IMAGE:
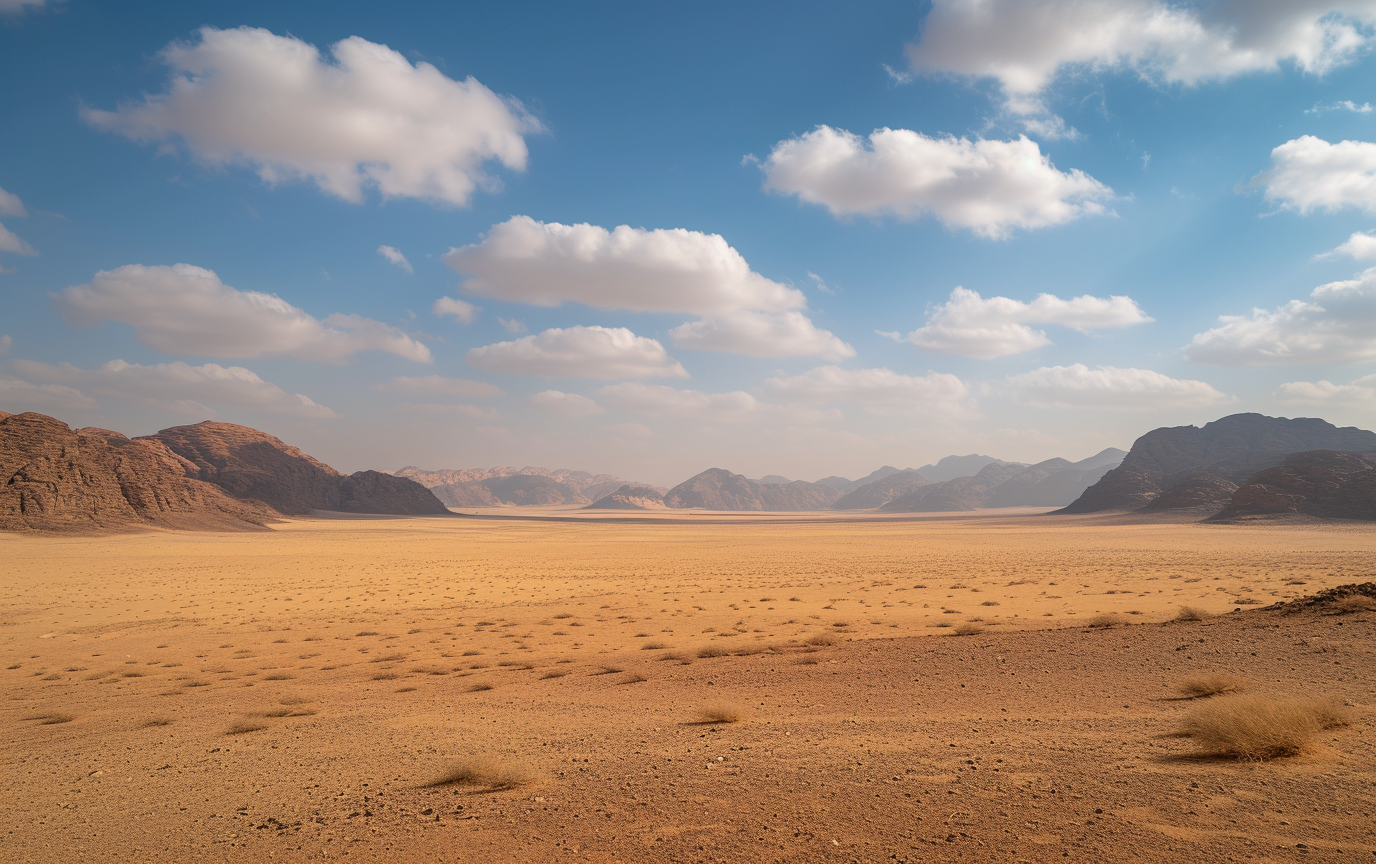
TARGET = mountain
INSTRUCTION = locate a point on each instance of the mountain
(880, 492)
(961, 493)
(841, 484)
(719, 489)
(631, 496)
(481, 487)
(253, 465)
(57, 479)
(1203, 460)
(958, 466)
(773, 480)
(1323, 483)
(1047, 484)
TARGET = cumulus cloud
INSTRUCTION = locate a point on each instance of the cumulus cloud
(988, 187)
(580, 352)
(460, 310)
(438, 385)
(1025, 44)
(394, 256)
(59, 400)
(1337, 324)
(658, 400)
(1359, 392)
(565, 404)
(1344, 105)
(184, 309)
(176, 386)
(762, 334)
(1079, 386)
(1360, 246)
(883, 390)
(662, 270)
(10, 205)
(969, 325)
(1309, 174)
(366, 118)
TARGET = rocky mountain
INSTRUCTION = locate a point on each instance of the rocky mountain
(841, 484)
(719, 489)
(1324, 483)
(253, 465)
(961, 493)
(880, 492)
(1188, 467)
(55, 479)
(631, 496)
(958, 466)
(488, 487)
(773, 480)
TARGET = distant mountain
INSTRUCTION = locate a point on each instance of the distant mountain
(719, 489)
(1323, 483)
(773, 480)
(961, 493)
(487, 487)
(1189, 467)
(254, 465)
(959, 466)
(841, 484)
(880, 492)
(58, 479)
(631, 496)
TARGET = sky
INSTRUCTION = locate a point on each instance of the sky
(795, 238)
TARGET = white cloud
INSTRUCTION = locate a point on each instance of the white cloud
(437, 385)
(10, 205)
(664, 270)
(1309, 174)
(988, 187)
(15, 7)
(11, 242)
(6, 343)
(1344, 105)
(580, 352)
(660, 401)
(460, 310)
(565, 404)
(471, 412)
(880, 389)
(1110, 387)
(177, 386)
(1336, 325)
(512, 325)
(761, 334)
(971, 326)
(1360, 246)
(367, 118)
(1359, 392)
(394, 256)
(187, 310)
(18, 396)
(1026, 44)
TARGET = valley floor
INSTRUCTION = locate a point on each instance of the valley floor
(292, 694)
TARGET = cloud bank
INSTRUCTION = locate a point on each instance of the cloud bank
(579, 352)
(1108, 387)
(1309, 174)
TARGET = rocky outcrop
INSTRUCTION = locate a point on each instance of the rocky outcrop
(1232, 448)
(1202, 491)
(1324, 483)
(880, 492)
(631, 496)
(532, 490)
(253, 465)
(55, 479)
(719, 489)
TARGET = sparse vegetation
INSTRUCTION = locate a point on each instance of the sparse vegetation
(155, 721)
(821, 641)
(1257, 727)
(487, 772)
(242, 727)
(1104, 621)
(1214, 684)
(719, 712)
(1191, 613)
(967, 629)
(478, 688)
(52, 718)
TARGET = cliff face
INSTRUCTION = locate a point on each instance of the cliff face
(1322, 483)
(719, 489)
(53, 479)
(1232, 449)
(631, 496)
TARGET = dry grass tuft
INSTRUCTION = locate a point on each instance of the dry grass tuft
(553, 673)
(967, 630)
(1255, 727)
(52, 718)
(821, 641)
(713, 651)
(385, 676)
(1104, 621)
(487, 772)
(1191, 613)
(1213, 684)
(155, 721)
(244, 726)
(479, 688)
(633, 678)
(719, 712)
(653, 646)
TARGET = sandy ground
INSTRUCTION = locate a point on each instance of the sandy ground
(374, 654)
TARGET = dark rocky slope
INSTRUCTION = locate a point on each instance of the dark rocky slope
(719, 489)
(1320, 483)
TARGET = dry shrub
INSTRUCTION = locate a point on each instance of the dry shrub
(1191, 613)
(278, 676)
(1255, 727)
(821, 640)
(807, 661)
(388, 658)
(553, 673)
(385, 676)
(1213, 684)
(155, 721)
(967, 630)
(719, 712)
(1350, 605)
(488, 772)
(52, 718)
(633, 678)
(609, 670)
(479, 688)
(991, 603)
(1104, 621)
(653, 646)
(713, 651)
(244, 726)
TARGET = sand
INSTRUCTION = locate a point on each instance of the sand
(291, 694)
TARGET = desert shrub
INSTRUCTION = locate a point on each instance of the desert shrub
(1213, 684)
(155, 721)
(478, 688)
(243, 726)
(52, 718)
(488, 772)
(385, 676)
(1256, 727)
(653, 646)
(713, 651)
(967, 629)
(719, 712)
(807, 661)
(991, 603)
(553, 673)
(632, 678)
(1104, 621)
(1191, 613)
(821, 641)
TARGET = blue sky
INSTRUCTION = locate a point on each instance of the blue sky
(1148, 166)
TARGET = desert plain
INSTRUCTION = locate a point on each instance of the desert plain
(694, 687)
